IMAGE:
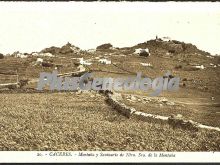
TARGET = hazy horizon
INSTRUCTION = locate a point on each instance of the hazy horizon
(33, 26)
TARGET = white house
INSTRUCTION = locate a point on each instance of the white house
(82, 62)
(140, 50)
(42, 54)
(105, 61)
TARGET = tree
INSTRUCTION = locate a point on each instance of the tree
(1, 56)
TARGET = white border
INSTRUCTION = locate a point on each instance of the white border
(47, 156)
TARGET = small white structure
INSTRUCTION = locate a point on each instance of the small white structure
(211, 64)
(146, 64)
(34, 54)
(200, 67)
(82, 62)
(39, 61)
(46, 54)
(42, 54)
(105, 61)
(81, 68)
(21, 55)
(137, 51)
(140, 50)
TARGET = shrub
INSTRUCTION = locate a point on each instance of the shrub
(144, 53)
(23, 83)
(47, 64)
(178, 67)
(1, 56)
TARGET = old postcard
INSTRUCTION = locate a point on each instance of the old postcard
(109, 81)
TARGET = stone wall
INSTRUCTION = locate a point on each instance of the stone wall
(115, 100)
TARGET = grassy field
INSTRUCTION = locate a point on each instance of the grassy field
(191, 104)
(83, 121)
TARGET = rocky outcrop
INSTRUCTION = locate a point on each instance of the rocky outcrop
(171, 46)
(66, 49)
(104, 46)
(52, 50)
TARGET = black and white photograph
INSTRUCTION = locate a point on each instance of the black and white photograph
(116, 81)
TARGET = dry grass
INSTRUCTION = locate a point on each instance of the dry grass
(70, 121)
(192, 105)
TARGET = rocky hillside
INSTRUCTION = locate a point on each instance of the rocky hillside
(86, 120)
(66, 49)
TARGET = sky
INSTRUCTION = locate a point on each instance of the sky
(33, 26)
